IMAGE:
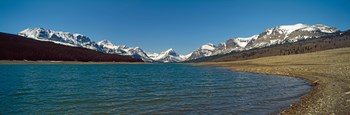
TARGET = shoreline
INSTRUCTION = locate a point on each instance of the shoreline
(328, 71)
(63, 62)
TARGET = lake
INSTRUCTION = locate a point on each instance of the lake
(142, 89)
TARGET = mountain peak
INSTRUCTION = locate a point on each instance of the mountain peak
(105, 42)
(291, 28)
(250, 37)
(36, 29)
(138, 49)
(170, 50)
(73, 39)
(276, 35)
(300, 24)
(168, 56)
(287, 29)
(208, 46)
(106, 46)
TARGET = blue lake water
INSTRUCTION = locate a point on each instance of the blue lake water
(142, 89)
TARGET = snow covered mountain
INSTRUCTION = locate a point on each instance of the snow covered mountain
(109, 47)
(291, 33)
(277, 35)
(64, 38)
(169, 56)
(237, 43)
(78, 40)
(225, 47)
(152, 55)
(203, 51)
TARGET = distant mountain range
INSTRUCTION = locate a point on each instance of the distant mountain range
(14, 47)
(105, 46)
(301, 46)
(272, 36)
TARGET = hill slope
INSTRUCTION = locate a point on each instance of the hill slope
(14, 47)
(302, 46)
(272, 36)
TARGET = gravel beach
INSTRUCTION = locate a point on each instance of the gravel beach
(328, 71)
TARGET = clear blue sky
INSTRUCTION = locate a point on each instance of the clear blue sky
(156, 25)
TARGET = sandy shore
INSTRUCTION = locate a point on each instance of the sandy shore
(63, 62)
(328, 70)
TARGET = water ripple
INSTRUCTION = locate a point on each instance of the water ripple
(142, 89)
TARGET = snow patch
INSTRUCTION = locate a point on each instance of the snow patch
(242, 42)
(208, 46)
(291, 28)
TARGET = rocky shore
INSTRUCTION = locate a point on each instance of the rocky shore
(328, 71)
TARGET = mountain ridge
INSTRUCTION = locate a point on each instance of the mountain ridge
(79, 40)
(302, 46)
(14, 47)
(271, 36)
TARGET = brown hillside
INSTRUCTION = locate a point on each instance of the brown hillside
(14, 47)
(305, 46)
